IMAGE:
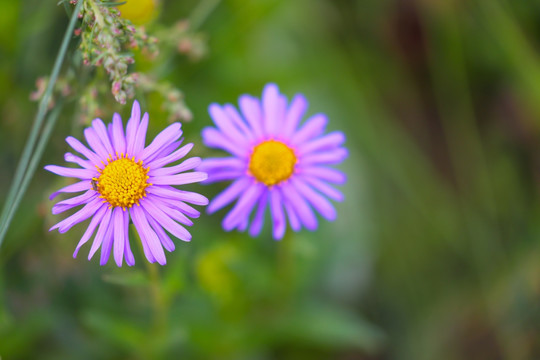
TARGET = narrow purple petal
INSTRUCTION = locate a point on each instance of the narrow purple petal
(214, 139)
(93, 140)
(69, 157)
(103, 135)
(164, 220)
(295, 113)
(258, 220)
(243, 207)
(165, 151)
(166, 137)
(238, 121)
(77, 187)
(186, 165)
(328, 157)
(252, 111)
(141, 223)
(96, 219)
(140, 138)
(223, 175)
(222, 163)
(293, 217)
(181, 179)
(72, 172)
(271, 108)
(229, 194)
(171, 211)
(133, 127)
(324, 173)
(106, 246)
(324, 188)
(244, 224)
(304, 212)
(328, 141)
(323, 206)
(88, 210)
(314, 126)
(177, 155)
(278, 217)
(81, 149)
(166, 241)
(98, 240)
(128, 254)
(225, 125)
(118, 138)
(73, 202)
(146, 248)
(169, 192)
(119, 233)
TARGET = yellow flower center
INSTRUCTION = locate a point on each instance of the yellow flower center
(139, 12)
(122, 182)
(272, 162)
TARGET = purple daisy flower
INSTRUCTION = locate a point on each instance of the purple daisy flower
(274, 163)
(118, 172)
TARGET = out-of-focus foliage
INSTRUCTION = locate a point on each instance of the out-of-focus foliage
(436, 250)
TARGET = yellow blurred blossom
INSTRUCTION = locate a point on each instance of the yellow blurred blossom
(139, 12)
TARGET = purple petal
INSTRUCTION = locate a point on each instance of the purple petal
(324, 188)
(178, 154)
(181, 179)
(118, 138)
(106, 247)
(243, 207)
(186, 165)
(293, 218)
(313, 127)
(271, 104)
(164, 220)
(146, 249)
(171, 211)
(166, 137)
(93, 140)
(103, 135)
(144, 229)
(295, 113)
(165, 151)
(133, 127)
(251, 109)
(72, 172)
(244, 224)
(119, 233)
(323, 206)
(140, 138)
(278, 217)
(81, 215)
(324, 173)
(223, 175)
(304, 212)
(81, 149)
(96, 219)
(329, 141)
(166, 241)
(222, 163)
(98, 240)
(128, 254)
(73, 202)
(79, 186)
(214, 139)
(69, 157)
(226, 126)
(328, 157)
(235, 117)
(258, 220)
(229, 194)
(169, 192)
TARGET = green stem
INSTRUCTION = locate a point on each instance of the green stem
(201, 13)
(15, 189)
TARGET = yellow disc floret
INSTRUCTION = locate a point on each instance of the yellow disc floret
(122, 182)
(272, 162)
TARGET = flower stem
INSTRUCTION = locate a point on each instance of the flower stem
(201, 12)
(16, 190)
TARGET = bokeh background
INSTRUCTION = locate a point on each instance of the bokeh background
(436, 250)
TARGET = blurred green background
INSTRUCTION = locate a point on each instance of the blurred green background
(435, 253)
